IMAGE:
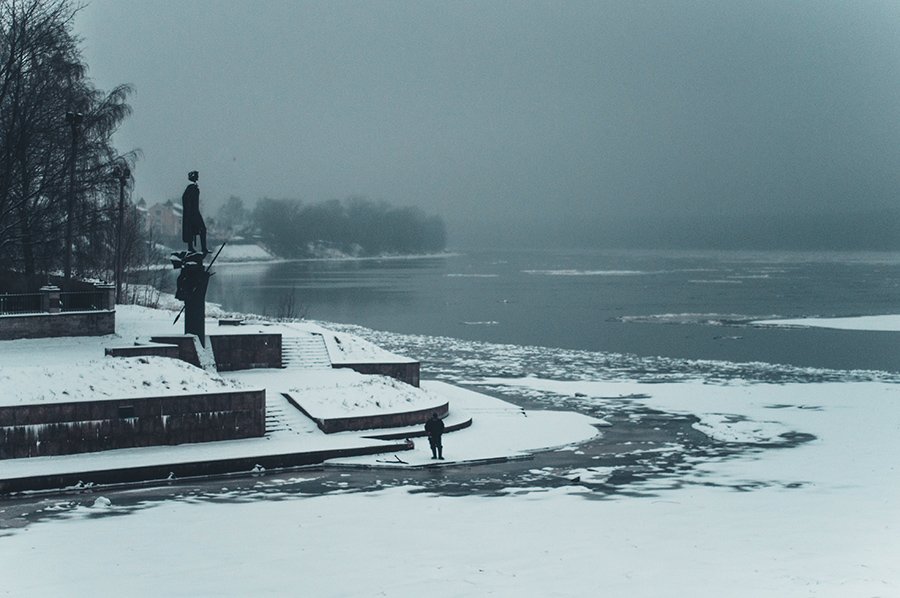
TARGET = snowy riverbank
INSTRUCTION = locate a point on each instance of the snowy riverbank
(73, 369)
(804, 505)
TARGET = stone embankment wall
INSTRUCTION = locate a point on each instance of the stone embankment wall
(88, 426)
(96, 323)
(231, 351)
(248, 351)
(186, 349)
(245, 352)
(154, 350)
(405, 372)
(371, 422)
(50, 320)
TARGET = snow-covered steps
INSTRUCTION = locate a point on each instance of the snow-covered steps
(283, 419)
(306, 351)
(275, 421)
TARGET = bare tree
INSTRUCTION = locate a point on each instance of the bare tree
(42, 77)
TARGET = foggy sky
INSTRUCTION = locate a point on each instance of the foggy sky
(688, 123)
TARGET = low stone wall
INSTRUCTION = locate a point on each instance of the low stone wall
(232, 351)
(421, 433)
(88, 426)
(370, 422)
(405, 372)
(249, 351)
(93, 323)
(246, 351)
(187, 351)
(169, 471)
(154, 350)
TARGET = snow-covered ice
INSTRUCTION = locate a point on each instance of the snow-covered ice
(244, 252)
(885, 323)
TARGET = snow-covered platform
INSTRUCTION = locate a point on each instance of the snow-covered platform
(501, 430)
(74, 368)
(498, 431)
(150, 396)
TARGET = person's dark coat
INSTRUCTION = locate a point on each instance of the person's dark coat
(191, 220)
(434, 427)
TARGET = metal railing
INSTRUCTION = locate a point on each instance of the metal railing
(83, 301)
(21, 303)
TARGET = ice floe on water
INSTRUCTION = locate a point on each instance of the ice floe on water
(101, 502)
(727, 427)
(881, 323)
(706, 319)
(454, 360)
(574, 272)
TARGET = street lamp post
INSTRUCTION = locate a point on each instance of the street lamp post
(74, 119)
(122, 174)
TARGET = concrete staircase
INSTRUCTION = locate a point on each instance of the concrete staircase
(275, 418)
(305, 352)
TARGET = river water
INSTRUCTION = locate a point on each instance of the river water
(649, 304)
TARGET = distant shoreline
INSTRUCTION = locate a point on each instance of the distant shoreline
(349, 258)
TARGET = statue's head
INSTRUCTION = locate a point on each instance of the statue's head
(192, 176)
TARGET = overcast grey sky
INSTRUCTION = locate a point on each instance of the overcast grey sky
(558, 121)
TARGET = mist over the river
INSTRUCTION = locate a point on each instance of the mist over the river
(687, 124)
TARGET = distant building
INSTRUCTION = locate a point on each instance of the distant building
(164, 220)
(141, 207)
(142, 213)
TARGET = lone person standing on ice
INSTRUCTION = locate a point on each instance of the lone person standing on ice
(191, 221)
(435, 427)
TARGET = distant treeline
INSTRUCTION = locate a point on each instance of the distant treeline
(357, 227)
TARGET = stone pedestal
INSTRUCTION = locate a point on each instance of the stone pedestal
(192, 284)
(50, 299)
(109, 291)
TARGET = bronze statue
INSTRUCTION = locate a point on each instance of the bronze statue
(193, 278)
(192, 224)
